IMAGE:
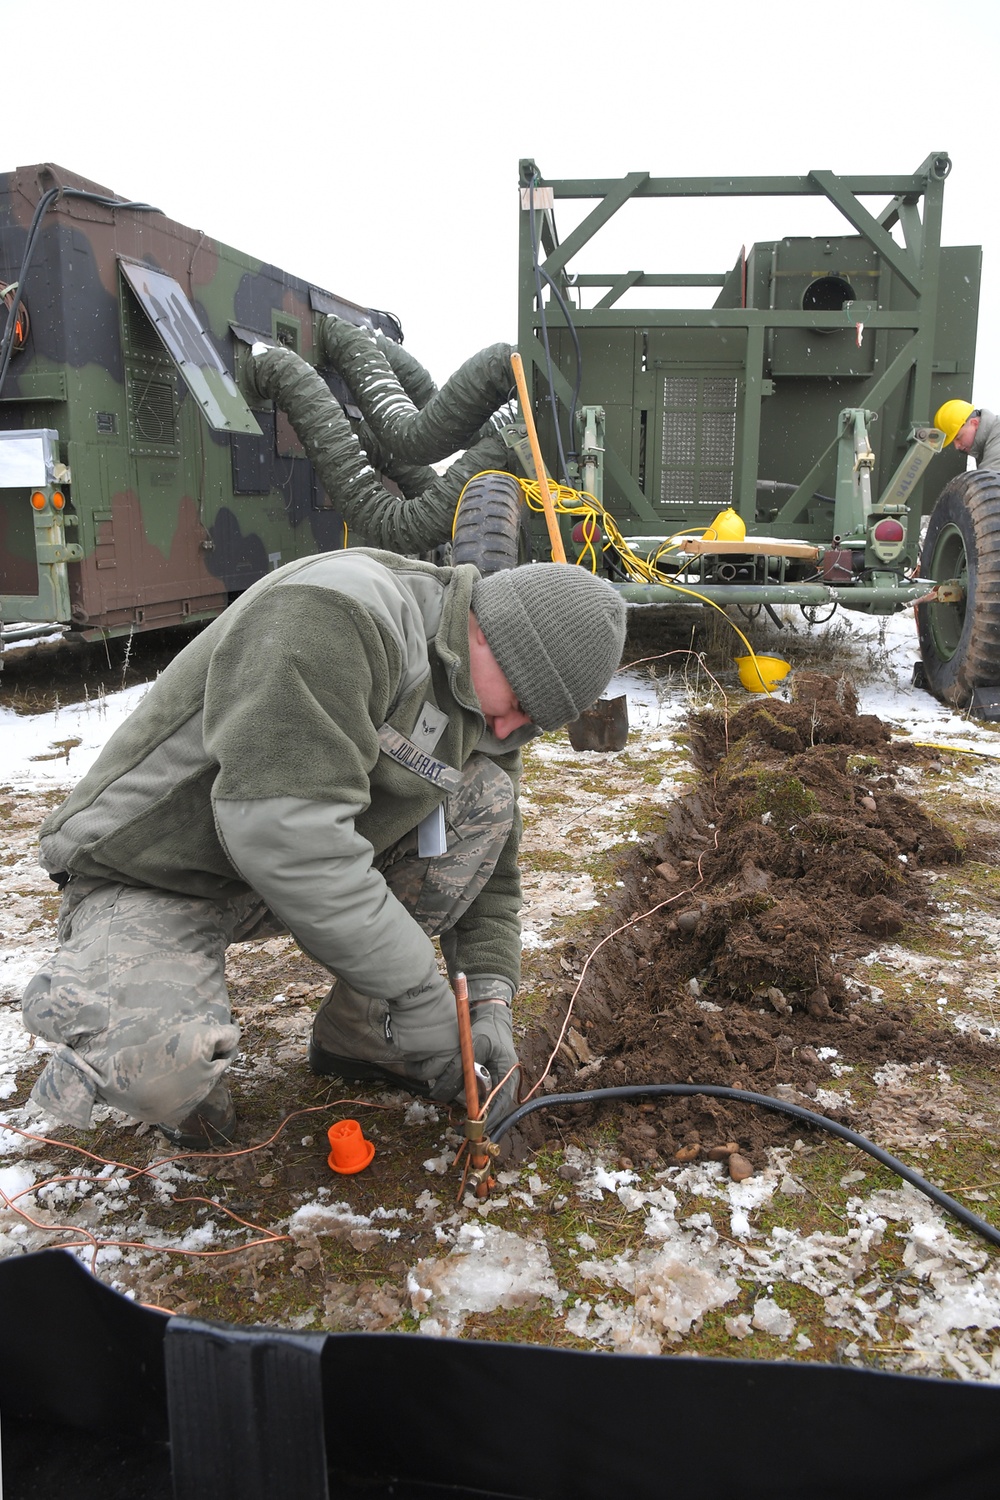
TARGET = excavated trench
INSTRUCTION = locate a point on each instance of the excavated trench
(796, 853)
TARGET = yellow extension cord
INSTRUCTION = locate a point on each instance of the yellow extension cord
(588, 509)
(953, 749)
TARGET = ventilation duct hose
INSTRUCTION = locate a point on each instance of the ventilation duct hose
(413, 479)
(419, 386)
(412, 525)
(409, 434)
(415, 380)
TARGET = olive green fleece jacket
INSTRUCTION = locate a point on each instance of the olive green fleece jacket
(986, 443)
(254, 763)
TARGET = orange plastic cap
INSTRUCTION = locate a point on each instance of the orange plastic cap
(58, 500)
(38, 500)
(349, 1151)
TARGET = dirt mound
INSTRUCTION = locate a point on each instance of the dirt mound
(746, 913)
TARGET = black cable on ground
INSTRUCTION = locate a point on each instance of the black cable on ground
(766, 1101)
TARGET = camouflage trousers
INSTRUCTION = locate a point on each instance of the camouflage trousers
(134, 1000)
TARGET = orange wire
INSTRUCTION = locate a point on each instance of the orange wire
(132, 1172)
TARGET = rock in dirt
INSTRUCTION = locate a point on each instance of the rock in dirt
(739, 1167)
(578, 1046)
(722, 1153)
(818, 1004)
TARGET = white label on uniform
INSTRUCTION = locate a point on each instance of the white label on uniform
(431, 837)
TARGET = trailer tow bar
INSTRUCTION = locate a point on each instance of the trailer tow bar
(950, 592)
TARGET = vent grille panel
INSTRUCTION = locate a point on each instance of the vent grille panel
(698, 443)
(152, 413)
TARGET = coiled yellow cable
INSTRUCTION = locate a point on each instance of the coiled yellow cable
(589, 510)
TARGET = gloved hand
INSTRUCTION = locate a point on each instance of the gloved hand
(490, 1001)
(442, 1073)
(424, 1018)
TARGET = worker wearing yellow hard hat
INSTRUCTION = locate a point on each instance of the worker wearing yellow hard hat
(972, 430)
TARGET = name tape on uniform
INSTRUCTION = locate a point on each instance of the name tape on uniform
(405, 753)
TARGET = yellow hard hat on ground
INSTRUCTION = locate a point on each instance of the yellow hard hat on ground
(952, 417)
(761, 674)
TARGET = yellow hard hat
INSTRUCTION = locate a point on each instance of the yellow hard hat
(952, 417)
(727, 527)
(761, 674)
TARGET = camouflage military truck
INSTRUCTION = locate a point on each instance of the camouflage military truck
(138, 488)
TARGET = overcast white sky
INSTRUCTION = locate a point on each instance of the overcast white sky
(373, 149)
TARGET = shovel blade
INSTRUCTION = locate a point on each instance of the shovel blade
(603, 727)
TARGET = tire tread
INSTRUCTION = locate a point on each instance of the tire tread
(487, 529)
(970, 504)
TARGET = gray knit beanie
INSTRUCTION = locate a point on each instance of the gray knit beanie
(557, 633)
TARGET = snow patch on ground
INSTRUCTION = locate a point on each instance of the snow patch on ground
(485, 1269)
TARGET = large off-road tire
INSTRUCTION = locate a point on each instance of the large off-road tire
(488, 531)
(960, 643)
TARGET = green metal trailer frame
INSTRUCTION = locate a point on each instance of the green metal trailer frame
(803, 397)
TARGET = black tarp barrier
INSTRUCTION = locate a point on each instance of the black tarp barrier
(101, 1399)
